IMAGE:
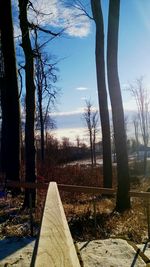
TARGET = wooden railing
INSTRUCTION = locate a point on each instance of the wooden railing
(75, 188)
(55, 247)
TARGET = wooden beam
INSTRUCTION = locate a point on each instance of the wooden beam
(74, 188)
(86, 189)
(29, 185)
(55, 247)
(141, 194)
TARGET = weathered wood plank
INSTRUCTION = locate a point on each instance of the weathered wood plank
(75, 188)
(86, 189)
(141, 194)
(30, 185)
(55, 247)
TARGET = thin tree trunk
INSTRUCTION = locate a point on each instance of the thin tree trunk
(102, 93)
(40, 78)
(123, 199)
(3, 125)
(10, 96)
(94, 152)
(91, 146)
(30, 101)
(145, 160)
(41, 123)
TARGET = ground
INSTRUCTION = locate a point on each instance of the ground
(89, 217)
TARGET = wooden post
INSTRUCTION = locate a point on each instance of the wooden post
(55, 246)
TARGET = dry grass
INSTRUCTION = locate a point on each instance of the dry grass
(85, 225)
(80, 208)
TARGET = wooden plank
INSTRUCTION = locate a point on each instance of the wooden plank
(55, 247)
(75, 188)
(99, 190)
(141, 194)
(86, 189)
(29, 185)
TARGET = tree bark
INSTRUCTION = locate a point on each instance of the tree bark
(123, 199)
(41, 122)
(102, 93)
(9, 97)
(91, 146)
(30, 101)
(39, 84)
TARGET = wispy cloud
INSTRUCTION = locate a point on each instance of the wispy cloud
(84, 98)
(56, 14)
(69, 113)
(78, 111)
(124, 86)
(72, 133)
(82, 88)
(130, 105)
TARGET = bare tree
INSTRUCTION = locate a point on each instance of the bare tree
(30, 100)
(78, 141)
(88, 118)
(141, 96)
(123, 198)
(45, 77)
(45, 71)
(97, 16)
(95, 131)
(3, 109)
(102, 93)
(136, 133)
(91, 119)
(10, 142)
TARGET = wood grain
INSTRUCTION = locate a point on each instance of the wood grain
(55, 247)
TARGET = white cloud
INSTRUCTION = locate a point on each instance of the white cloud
(124, 86)
(71, 133)
(130, 105)
(54, 13)
(17, 31)
(82, 88)
(84, 98)
(68, 113)
(78, 111)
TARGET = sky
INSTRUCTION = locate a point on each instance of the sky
(75, 51)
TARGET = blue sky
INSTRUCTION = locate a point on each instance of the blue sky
(76, 49)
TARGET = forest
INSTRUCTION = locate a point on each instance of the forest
(31, 157)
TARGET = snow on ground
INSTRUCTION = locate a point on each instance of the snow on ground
(110, 253)
(16, 252)
(98, 253)
(85, 162)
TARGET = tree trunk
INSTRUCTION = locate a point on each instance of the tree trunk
(40, 98)
(9, 97)
(91, 146)
(41, 123)
(30, 101)
(145, 160)
(123, 199)
(102, 93)
(3, 159)
(94, 149)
